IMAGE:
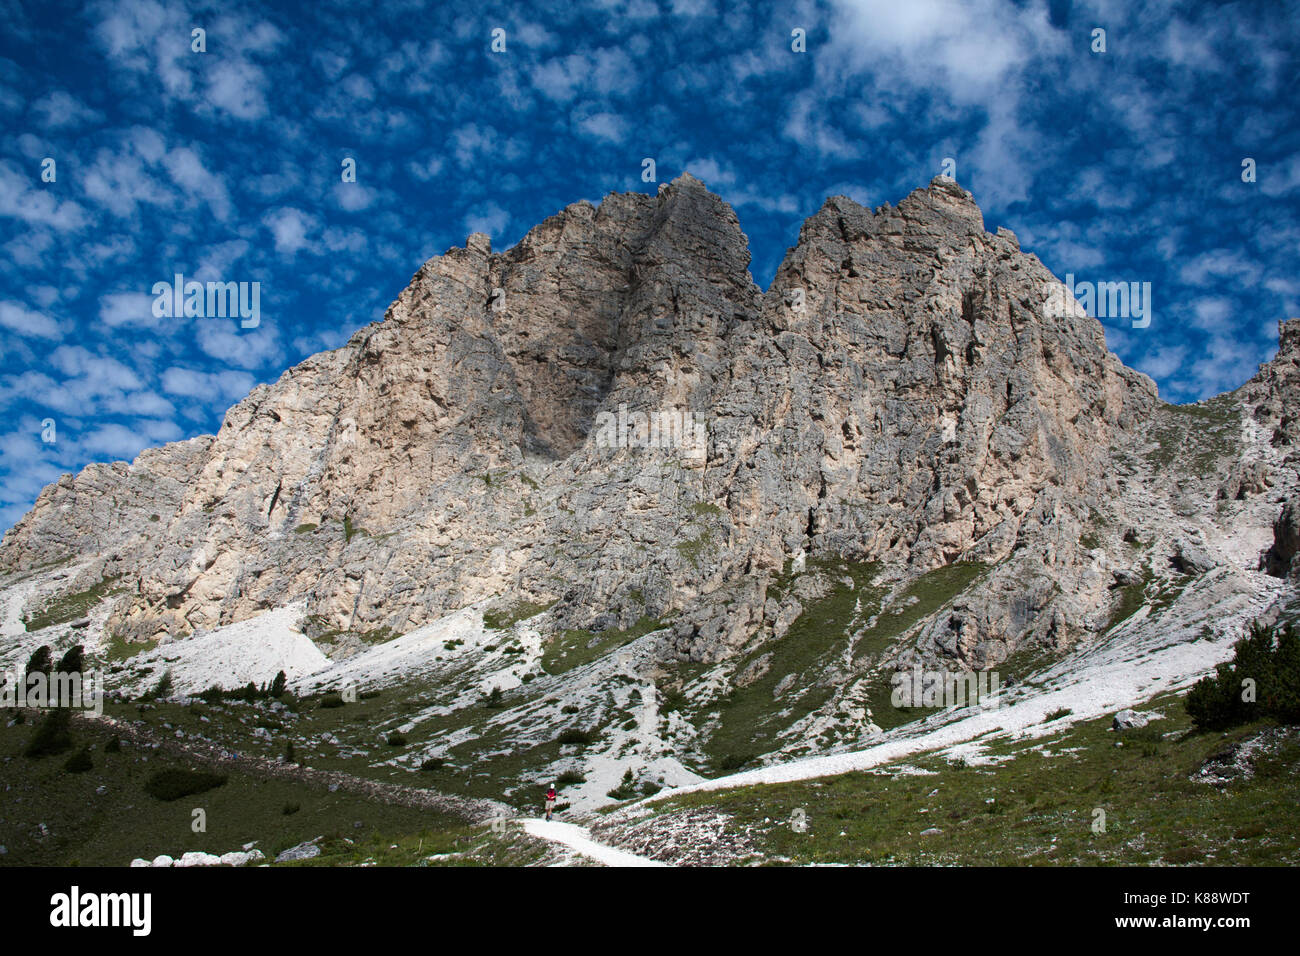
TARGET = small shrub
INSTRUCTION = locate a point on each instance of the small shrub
(53, 735)
(114, 746)
(41, 660)
(80, 761)
(331, 701)
(433, 763)
(1268, 655)
(290, 809)
(575, 736)
(569, 777)
(493, 701)
(396, 740)
(626, 790)
(734, 761)
(1057, 714)
(73, 661)
(1184, 855)
(673, 700)
(172, 784)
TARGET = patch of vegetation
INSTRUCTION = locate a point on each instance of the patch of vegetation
(1262, 681)
(498, 619)
(1037, 808)
(119, 649)
(53, 734)
(931, 591)
(175, 782)
(350, 532)
(748, 720)
(91, 828)
(72, 606)
(577, 647)
(1131, 598)
(305, 527)
(1196, 436)
(692, 548)
(80, 761)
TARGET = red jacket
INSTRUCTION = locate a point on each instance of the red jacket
(550, 794)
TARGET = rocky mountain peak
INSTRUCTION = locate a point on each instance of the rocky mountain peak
(899, 395)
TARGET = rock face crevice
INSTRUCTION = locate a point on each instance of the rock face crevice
(903, 393)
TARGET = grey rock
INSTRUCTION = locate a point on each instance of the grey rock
(901, 395)
(1129, 720)
(303, 851)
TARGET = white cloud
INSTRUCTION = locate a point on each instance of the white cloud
(606, 126)
(489, 219)
(220, 387)
(117, 309)
(23, 197)
(18, 318)
(59, 110)
(188, 172)
(291, 229)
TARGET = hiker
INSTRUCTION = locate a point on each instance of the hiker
(550, 803)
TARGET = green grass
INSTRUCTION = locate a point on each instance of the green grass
(1036, 809)
(746, 723)
(692, 548)
(499, 619)
(119, 649)
(1196, 435)
(932, 591)
(574, 648)
(110, 829)
(71, 606)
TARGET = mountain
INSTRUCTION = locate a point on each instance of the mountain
(899, 455)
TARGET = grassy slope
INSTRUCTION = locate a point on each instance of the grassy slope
(124, 822)
(1037, 809)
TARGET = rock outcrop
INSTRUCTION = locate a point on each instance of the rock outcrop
(613, 420)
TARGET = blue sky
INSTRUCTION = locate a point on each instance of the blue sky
(225, 165)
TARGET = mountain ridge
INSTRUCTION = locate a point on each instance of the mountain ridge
(899, 401)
